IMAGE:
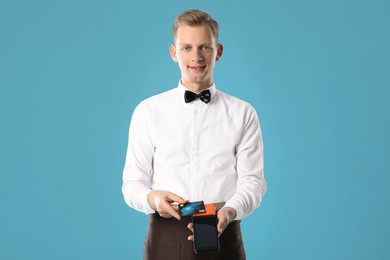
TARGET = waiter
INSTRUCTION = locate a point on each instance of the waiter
(192, 143)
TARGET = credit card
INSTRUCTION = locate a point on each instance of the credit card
(187, 209)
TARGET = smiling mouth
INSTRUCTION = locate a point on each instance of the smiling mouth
(197, 68)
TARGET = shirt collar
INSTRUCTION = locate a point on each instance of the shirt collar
(182, 89)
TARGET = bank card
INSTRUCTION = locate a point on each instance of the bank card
(190, 208)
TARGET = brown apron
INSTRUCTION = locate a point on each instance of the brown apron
(166, 239)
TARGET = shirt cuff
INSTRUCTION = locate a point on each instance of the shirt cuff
(144, 198)
(240, 213)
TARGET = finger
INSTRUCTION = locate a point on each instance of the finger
(175, 207)
(170, 210)
(220, 228)
(164, 215)
(222, 223)
(163, 209)
(190, 226)
(175, 198)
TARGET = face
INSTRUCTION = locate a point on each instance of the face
(196, 51)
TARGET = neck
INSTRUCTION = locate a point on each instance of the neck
(196, 87)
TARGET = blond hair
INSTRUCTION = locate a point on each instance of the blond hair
(195, 18)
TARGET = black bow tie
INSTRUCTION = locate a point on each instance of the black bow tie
(205, 96)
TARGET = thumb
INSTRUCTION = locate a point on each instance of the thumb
(222, 222)
(175, 198)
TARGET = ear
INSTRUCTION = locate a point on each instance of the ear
(172, 50)
(219, 51)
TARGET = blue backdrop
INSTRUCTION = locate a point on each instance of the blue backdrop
(317, 72)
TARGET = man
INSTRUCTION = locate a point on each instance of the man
(194, 143)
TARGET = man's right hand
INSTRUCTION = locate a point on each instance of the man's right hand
(160, 201)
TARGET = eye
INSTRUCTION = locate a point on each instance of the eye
(207, 48)
(185, 48)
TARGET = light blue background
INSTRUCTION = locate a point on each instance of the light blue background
(317, 72)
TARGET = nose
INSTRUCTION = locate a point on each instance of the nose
(196, 56)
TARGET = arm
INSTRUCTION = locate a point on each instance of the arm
(251, 185)
(138, 171)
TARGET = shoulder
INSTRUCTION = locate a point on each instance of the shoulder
(158, 100)
(237, 110)
(161, 97)
(234, 103)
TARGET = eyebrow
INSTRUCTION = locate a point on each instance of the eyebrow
(189, 44)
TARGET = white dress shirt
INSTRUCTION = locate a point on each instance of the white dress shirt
(211, 152)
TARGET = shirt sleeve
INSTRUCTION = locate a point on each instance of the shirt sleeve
(138, 167)
(251, 185)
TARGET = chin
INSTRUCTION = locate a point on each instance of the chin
(198, 79)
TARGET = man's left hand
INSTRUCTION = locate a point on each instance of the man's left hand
(225, 215)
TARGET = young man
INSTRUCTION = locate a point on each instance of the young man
(194, 143)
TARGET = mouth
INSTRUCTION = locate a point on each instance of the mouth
(198, 68)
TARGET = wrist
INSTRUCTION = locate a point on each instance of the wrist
(151, 198)
(231, 213)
